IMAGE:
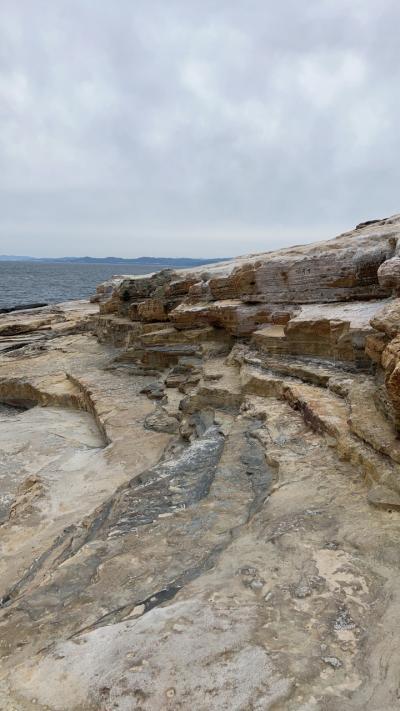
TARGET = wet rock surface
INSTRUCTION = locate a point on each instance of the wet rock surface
(200, 490)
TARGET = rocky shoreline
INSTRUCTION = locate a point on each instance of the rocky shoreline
(200, 487)
(22, 307)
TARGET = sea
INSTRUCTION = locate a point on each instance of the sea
(49, 283)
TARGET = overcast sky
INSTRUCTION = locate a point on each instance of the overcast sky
(195, 128)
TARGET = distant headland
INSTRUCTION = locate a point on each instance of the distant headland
(153, 261)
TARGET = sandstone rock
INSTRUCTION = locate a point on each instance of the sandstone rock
(154, 391)
(343, 269)
(181, 287)
(12, 327)
(200, 291)
(369, 422)
(105, 290)
(387, 318)
(137, 288)
(391, 366)
(232, 315)
(152, 310)
(336, 332)
(251, 497)
(190, 316)
(116, 330)
(154, 356)
(241, 319)
(26, 497)
(160, 421)
(389, 275)
(384, 498)
(375, 344)
(164, 334)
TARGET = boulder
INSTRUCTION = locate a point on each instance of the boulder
(152, 310)
(387, 318)
(389, 275)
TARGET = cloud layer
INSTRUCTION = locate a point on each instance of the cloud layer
(188, 128)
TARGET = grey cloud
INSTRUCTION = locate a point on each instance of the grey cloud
(194, 128)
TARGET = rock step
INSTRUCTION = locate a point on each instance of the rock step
(120, 331)
(368, 421)
(367, 418)
(366, 415)
(160, 356)
(316, 371)
(220, 387)
(175, 336)
(356, 427)
(232, 315)
(334, 331)
(55, 390)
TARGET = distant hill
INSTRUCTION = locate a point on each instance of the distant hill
(151, 261)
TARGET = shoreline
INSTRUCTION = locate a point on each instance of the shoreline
(23, 307)
(206, 466)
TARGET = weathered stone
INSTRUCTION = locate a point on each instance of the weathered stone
(200, 291)
(369, 423)
(137, 288)
(152, 310)
(13, 327)
(162, 356)
(389, 275)
(210, 485)
(334, 331)
(384, 498)
(154, 391)
(236, 318)
(161, 421)
(190, 316)
(333, 662)
(104, 291)
(342, 270)
(375, 344)
(180, 287)
(391, 365)
(387, 318)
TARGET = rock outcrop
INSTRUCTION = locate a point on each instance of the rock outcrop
(204, 466)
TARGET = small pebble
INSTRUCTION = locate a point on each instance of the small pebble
(333, 662)
(178, 628)
(247, 571)
(302, 591)
(344, 621)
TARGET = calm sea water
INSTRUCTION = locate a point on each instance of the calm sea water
(29, 282)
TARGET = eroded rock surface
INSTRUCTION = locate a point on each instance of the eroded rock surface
(200, 488)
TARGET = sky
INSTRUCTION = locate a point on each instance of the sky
(195, 128)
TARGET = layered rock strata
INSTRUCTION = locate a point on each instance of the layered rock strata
(204, 465)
